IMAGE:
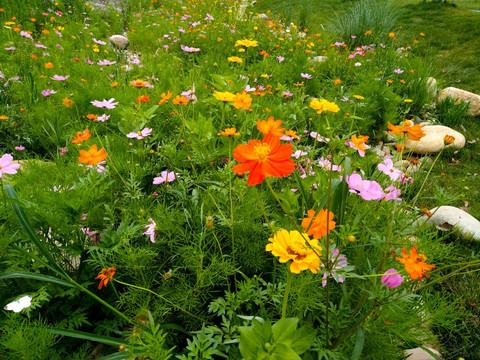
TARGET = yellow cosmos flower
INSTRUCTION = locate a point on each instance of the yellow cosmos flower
(235, 59)
(293, 246)
(323, 105)
(359, 97)
(247, 43)
(224, 96)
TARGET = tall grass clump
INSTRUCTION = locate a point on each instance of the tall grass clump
(365, 16)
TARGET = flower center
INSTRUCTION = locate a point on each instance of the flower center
(139, 133)
(296, 250)
(262, 150)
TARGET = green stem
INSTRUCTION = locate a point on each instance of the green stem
(287, 291)
(426, 178)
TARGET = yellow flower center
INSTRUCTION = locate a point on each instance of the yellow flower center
(262, 150)
(139, 133)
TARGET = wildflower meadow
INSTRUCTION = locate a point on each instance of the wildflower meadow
(208, 180)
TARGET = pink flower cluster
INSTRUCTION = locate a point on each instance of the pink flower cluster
(371, 190)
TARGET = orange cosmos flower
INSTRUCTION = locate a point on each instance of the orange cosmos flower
(81, 137)
(270, 127)
(34, 57)
(68, 102)
(180, 100)
(448, 139)
(359, 142)
(242, 101)
(318, 227)
(337, 81)
(415, 263)
(165, 97)
(368, 32)
(229, 132)
(264, 53)
(263, 159)
(139, 83)
(291, 133)
(142, 99)
(92, 117)
(92, 156)
(49, 65)
(413, 132)
(114, 84)
(105, 276)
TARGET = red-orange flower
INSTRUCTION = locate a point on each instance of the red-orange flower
(92, 156)
(270, 126)
(143, 98)
(319, 226)
(415, 263)
(105, 276)
(263, 159)
(81, 137)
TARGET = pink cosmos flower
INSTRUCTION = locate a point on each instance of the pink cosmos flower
(6, 166)
(25, 34)
(109, 104)
(392, 193)
(319, 137)
(340, 263)
(165, 176)
(150, 230)
(59, 77)
(103, 118)
(209, 17)
(325, 164)
(388, 169)
(299, 153)
(358, 64)
(19, 148)
(140, 135)
(106, 62)
(305, 76)
(280, 58)
(63, 151)
(190, 94)
(368, 190)
(392, 281)
(48, 92)
(398, 71)
(99, 42)
(189, 49)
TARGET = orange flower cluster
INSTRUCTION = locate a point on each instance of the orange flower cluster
(105, 276)
(415, 263)
(81, 137)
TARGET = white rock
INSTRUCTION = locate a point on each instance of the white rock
(447, 217)
(432, 142)
(420, 354)
(461, 95)
(119, 41)
(432, 86)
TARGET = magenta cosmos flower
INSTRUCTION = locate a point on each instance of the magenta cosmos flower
(165, 176)
(392, 280)
(189, 49)
(59, 77)
(106, 62)
(6, 166)
(140, 135)
(48, 92)
(109, 104)
(150, 230)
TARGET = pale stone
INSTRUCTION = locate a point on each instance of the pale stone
(119, 41)
(432, 86)
(420, 354)
(461, 95)
(262, 16)
(432, 142)
(449, 217)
